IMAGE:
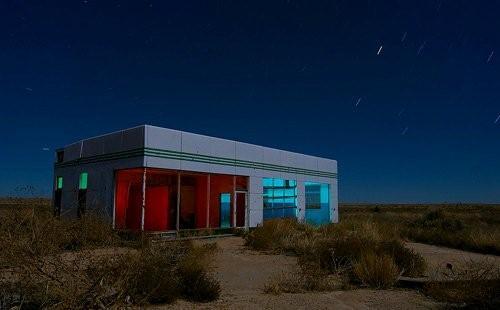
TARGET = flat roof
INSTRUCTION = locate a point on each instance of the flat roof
(148, 140)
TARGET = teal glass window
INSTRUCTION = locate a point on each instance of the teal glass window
(59, 183)
(279, 198)
(317, 202)
(83, 180)
(225, 210)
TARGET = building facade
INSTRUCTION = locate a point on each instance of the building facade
(155, 179)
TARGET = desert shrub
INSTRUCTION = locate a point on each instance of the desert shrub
(163, 273)
(278, 235)
(341, 245)
(152, 275)
(284, 283)
(69, 263)
(335, 248)
(335, 254)
(476, 285)
(377, 271)
(462, 226)
(438, 219)
(305, 280)
(34, 231)
(196, 284)
(93, 230)
(477, 294)
(453, 230)
(408, 262)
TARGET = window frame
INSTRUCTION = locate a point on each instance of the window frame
(319, 204)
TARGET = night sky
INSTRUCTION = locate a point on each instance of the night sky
(404, 94)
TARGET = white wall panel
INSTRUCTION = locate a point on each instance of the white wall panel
(301, 208)
(222, 148)
(133, 138)
(248, 152)
(195, 166)
(112, 143)
(196, 144)
(271, 156)
(301, 201)
(164, 163)
(334, 205)
(267, 173)
(69, 196)
(311, 178)
(244, 171)
(303, 177)
(255, 210)
(93, 147)
(308, 162)
(161, 138)
(327, 165)
(256, 202)
(256, 218)
(72, 151)
(289, 176)
(214, 168)
(255, 185)
(288, 159)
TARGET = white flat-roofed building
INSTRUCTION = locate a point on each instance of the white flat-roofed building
(156, 179)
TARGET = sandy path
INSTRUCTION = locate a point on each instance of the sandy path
(437, 256)
(242, 274)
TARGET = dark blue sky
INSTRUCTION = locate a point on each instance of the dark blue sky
(404, 94)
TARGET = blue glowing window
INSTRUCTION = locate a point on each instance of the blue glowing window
(317, 203)
(279, 198)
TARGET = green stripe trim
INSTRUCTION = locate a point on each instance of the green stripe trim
(151, 152)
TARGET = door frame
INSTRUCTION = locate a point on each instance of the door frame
(235, 208)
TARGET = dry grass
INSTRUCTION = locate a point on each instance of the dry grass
(376, 271)
(467, 227)
(474, 284)
(334, 250)
(35, 232)
(366, 248)
(280, 236)
(51, 262)
(306, 280)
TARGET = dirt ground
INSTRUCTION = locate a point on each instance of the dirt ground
(243, 272)
(438, 257)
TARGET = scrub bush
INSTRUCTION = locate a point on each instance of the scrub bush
(196, 284)
(306, 280)
(80, 264)
(409, 263)
(347, 250)
(449, 229)
(438, 219)
(156, 274)
(280, 235)
(36, 230)
(376, 271)
(473, 285)
(150, 276)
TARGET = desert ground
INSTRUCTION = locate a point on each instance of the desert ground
(236, 270)
(243, 273)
